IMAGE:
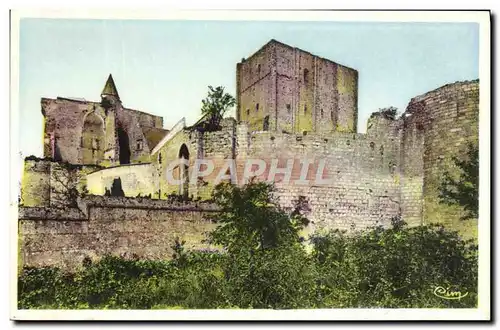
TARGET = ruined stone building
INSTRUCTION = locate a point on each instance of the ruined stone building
(102, 133)
(290, 105)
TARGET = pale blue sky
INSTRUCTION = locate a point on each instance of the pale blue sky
(164, 67)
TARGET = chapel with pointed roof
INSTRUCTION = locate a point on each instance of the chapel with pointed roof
(104, 133)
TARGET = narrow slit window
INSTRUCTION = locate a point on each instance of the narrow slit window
(266, 123)
(139, 144)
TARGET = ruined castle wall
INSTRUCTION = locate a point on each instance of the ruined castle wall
(64, 121)
(135, 179)
(78, 132)
(146, 119)
(364, 187)
(111, 151)
(168, 154)
(47, 183)
(116, 226)
(81, 132)
(412, 165)
(35, 183)
(131, 122)
(449, 121)
(219, 147)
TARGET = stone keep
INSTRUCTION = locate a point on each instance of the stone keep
(286, 89)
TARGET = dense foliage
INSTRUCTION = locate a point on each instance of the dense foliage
(396, 267)
(262, 262)
(463, 189)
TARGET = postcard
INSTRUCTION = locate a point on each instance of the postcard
(250, 165)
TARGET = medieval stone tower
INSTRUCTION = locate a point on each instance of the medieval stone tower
(286, 89)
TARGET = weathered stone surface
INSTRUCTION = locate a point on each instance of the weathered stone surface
(448, 120)
(111, 225)
(286, 89)
(102, 133)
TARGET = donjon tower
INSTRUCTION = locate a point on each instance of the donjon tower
(286, 89)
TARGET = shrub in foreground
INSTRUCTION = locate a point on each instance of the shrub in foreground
(395, 267)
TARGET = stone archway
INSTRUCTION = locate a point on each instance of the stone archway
(184, 172)
(92, 140)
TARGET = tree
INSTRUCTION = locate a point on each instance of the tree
(251, 219)
(266, 265)
(215, 106)
(64, 190)
(389, 113)
(463, 190)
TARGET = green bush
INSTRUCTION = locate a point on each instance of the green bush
(114, 282)
(43, 287)
(281, 277)
(396, 267)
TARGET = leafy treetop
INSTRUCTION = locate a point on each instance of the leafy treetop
(214, 107)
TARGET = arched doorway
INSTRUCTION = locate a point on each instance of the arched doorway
(183, 172)
(92, 141)
(124, 144)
